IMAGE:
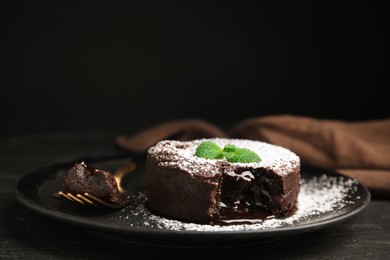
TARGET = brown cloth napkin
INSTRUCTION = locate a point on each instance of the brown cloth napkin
(357, 149)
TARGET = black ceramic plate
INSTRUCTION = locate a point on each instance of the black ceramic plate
(328, 198)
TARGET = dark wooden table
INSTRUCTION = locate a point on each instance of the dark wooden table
(25, 234)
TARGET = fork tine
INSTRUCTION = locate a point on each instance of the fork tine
(87, 201)
(75, 198)
(90, 196)
(65, 196)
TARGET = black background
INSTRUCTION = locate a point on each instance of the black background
(85, 66)
(69, 66)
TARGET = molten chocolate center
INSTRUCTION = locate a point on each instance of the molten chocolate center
(244, 197)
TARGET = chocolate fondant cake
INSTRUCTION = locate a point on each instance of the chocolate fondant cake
(100, 183)
(183, 186)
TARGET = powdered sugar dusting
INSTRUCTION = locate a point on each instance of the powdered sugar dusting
(318, 196)
(181, 154)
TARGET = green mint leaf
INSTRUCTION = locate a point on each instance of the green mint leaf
(209, 150)
(232, 153)
(230, 148)
(241, 155)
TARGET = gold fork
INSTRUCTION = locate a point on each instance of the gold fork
(88, 199)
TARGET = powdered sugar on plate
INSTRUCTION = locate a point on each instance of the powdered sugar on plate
(320, 195)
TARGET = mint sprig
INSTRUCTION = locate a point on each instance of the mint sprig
(232, 153)
(209, 150)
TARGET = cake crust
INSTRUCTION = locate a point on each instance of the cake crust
(183, 186)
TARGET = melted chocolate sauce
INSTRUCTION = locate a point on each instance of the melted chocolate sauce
(243, 198)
